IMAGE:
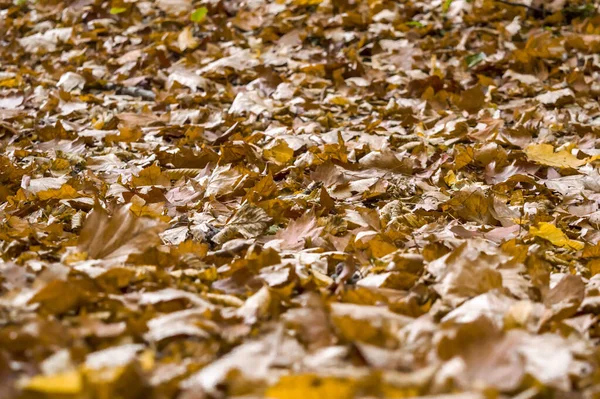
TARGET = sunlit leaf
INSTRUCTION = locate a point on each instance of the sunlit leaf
(544, 154)
(550, 232)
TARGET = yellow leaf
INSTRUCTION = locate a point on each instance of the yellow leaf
(450, 178)
(321, 279)
(544, 155)
(380, 248)
(591, 251)
(264, 188)
(193, 247)
(311, 386)
(308, 2)
(154, 210)
(126, 135)
(60, 164)
(150, 176)
(65, 192)
(338, 100)
(9, 83)
(464, 156)
(551, 233)
(208, 274)
(20, 196)
(594, 266)
(67, 383)
(280, 153)
(186, 40)
(146, 360)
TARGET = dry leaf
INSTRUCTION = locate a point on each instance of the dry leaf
(299, 198)
(117, 236)
(298, 231)
(551, 233)
(544, 154)
(249, 222)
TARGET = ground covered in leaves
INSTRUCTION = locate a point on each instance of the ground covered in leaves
(299, 199)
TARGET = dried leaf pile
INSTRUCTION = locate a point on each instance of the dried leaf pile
(299, 199)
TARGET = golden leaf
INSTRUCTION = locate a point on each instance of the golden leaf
(556, 236)
(67, 383)
(150, 176)
(544, 155)
(65, 192)
(304, 386)
(280, 153)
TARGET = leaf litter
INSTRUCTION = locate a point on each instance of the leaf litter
(299, 198)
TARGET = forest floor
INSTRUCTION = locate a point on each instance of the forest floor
(299, 199)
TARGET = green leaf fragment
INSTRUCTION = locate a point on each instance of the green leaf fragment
(273, 229)
(446, 5)
(199, 14)
(117, 10)
(415, 23)
(474, 59)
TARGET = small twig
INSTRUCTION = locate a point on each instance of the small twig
(147, 95)
(532, 8)
(230, 251)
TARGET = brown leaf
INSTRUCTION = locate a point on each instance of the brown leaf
(249, 222)
(116, 237)
(299, 231)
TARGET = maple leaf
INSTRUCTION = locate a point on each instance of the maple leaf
(298, 231)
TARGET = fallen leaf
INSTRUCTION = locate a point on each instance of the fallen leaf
(249, 222)
(544, 154)
(298, 231)
(556, 236)
(71, 81)
(117, 236)
(68, 383)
